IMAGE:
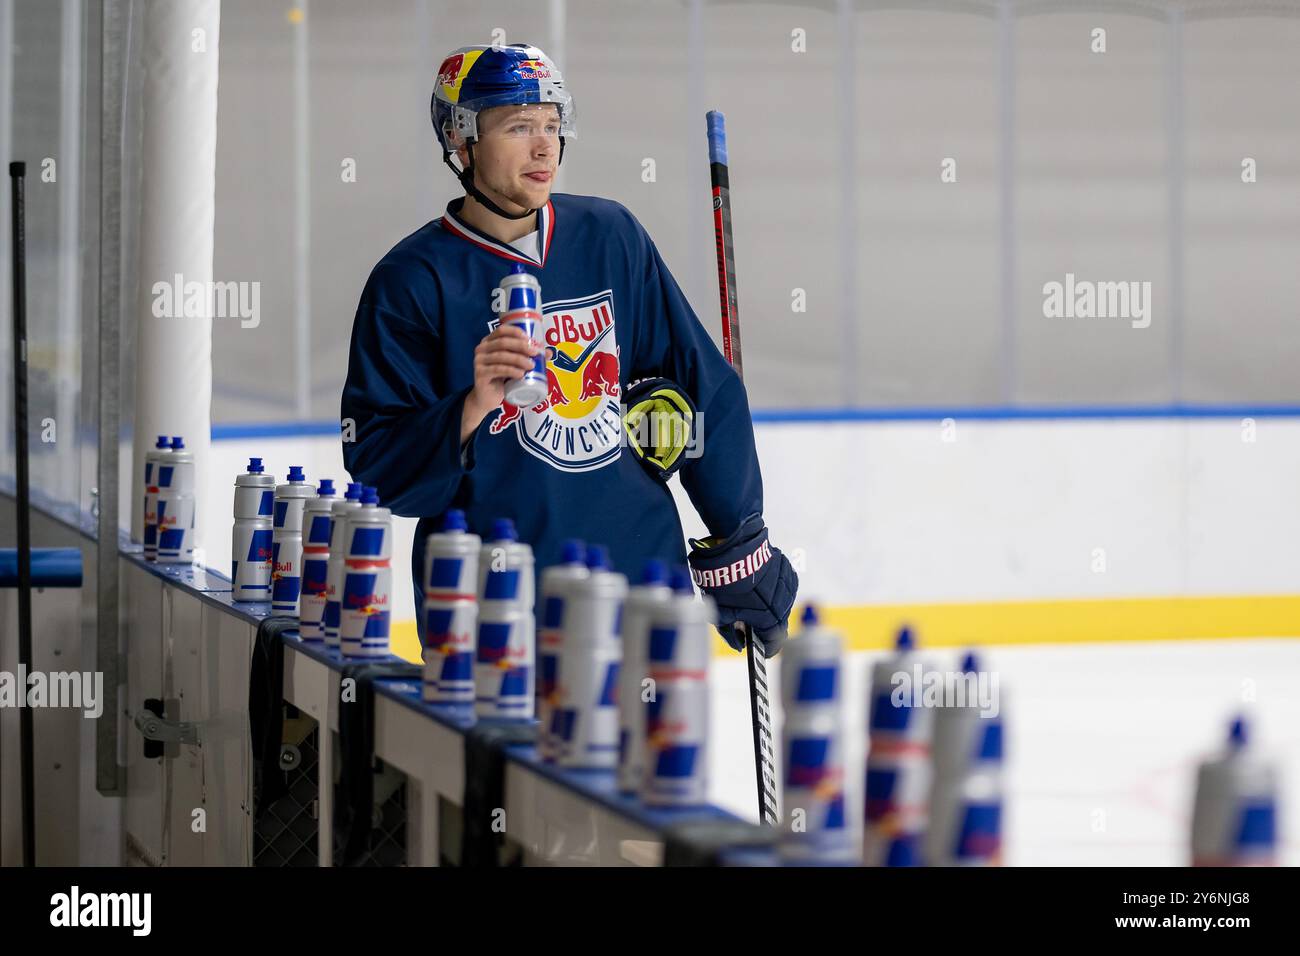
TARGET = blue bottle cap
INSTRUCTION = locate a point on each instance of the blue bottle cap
(369, 496)
(597, 557)
(371, 490)
(454, 520)
(905, 641)
(354, 491)
(680, 580)
(573, 551)
(809, 618)
(163, 442)
(970, 663)
(654, 571)
(177, 443)
(255, 466)
(326, 489)
(1239, 735)
(295, 473)
(503, 529)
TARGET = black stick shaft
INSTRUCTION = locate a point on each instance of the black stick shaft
(17, 174)
(759, 711)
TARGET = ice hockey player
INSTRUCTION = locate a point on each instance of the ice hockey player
(429, 364)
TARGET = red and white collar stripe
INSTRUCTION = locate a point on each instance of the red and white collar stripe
(545, 228)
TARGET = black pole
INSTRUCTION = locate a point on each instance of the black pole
(17, 172)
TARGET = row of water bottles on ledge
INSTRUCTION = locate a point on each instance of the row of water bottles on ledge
(620, 683)
(617, 678)
(319, 557)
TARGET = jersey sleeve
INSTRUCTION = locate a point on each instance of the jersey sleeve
(723, 479)
(405, 422)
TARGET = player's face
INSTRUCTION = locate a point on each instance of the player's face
(517, 154)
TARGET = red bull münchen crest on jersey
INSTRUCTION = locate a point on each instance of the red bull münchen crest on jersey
(577, 427)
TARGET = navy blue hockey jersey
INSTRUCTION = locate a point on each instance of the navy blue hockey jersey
(612, 314)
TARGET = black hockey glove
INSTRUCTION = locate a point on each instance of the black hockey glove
(751, 581)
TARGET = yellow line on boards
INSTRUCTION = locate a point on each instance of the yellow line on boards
(874, 626)
(404, 641)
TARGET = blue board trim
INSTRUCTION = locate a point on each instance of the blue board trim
(295, 429)
(786, 416)
(1016, 413)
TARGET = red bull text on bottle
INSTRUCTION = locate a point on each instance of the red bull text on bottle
(641, 602)
(558, 582)
(250, 545)
(340, 511)
(965, 818)
(504, 646)
(585, 719)
(365, 611)
(816, 823)
(176, 506)
(286, 542)
(450, 611)
(160, 452)
(677, 712)
(522, 295)
(898, 762)
(317, 516)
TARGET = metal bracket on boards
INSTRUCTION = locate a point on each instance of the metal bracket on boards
(163, 737)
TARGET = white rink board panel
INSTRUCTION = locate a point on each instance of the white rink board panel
(891, 512)
(1013, 510)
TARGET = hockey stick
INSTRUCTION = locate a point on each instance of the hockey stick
(18, 215)
(760, 715)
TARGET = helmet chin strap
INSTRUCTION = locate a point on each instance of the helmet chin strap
(466, 177)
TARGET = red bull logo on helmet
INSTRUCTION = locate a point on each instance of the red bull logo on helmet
(578, 425)
(453, 70)
(450, 69)
(534, 70)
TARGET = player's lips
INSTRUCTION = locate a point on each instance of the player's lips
(539, 177)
